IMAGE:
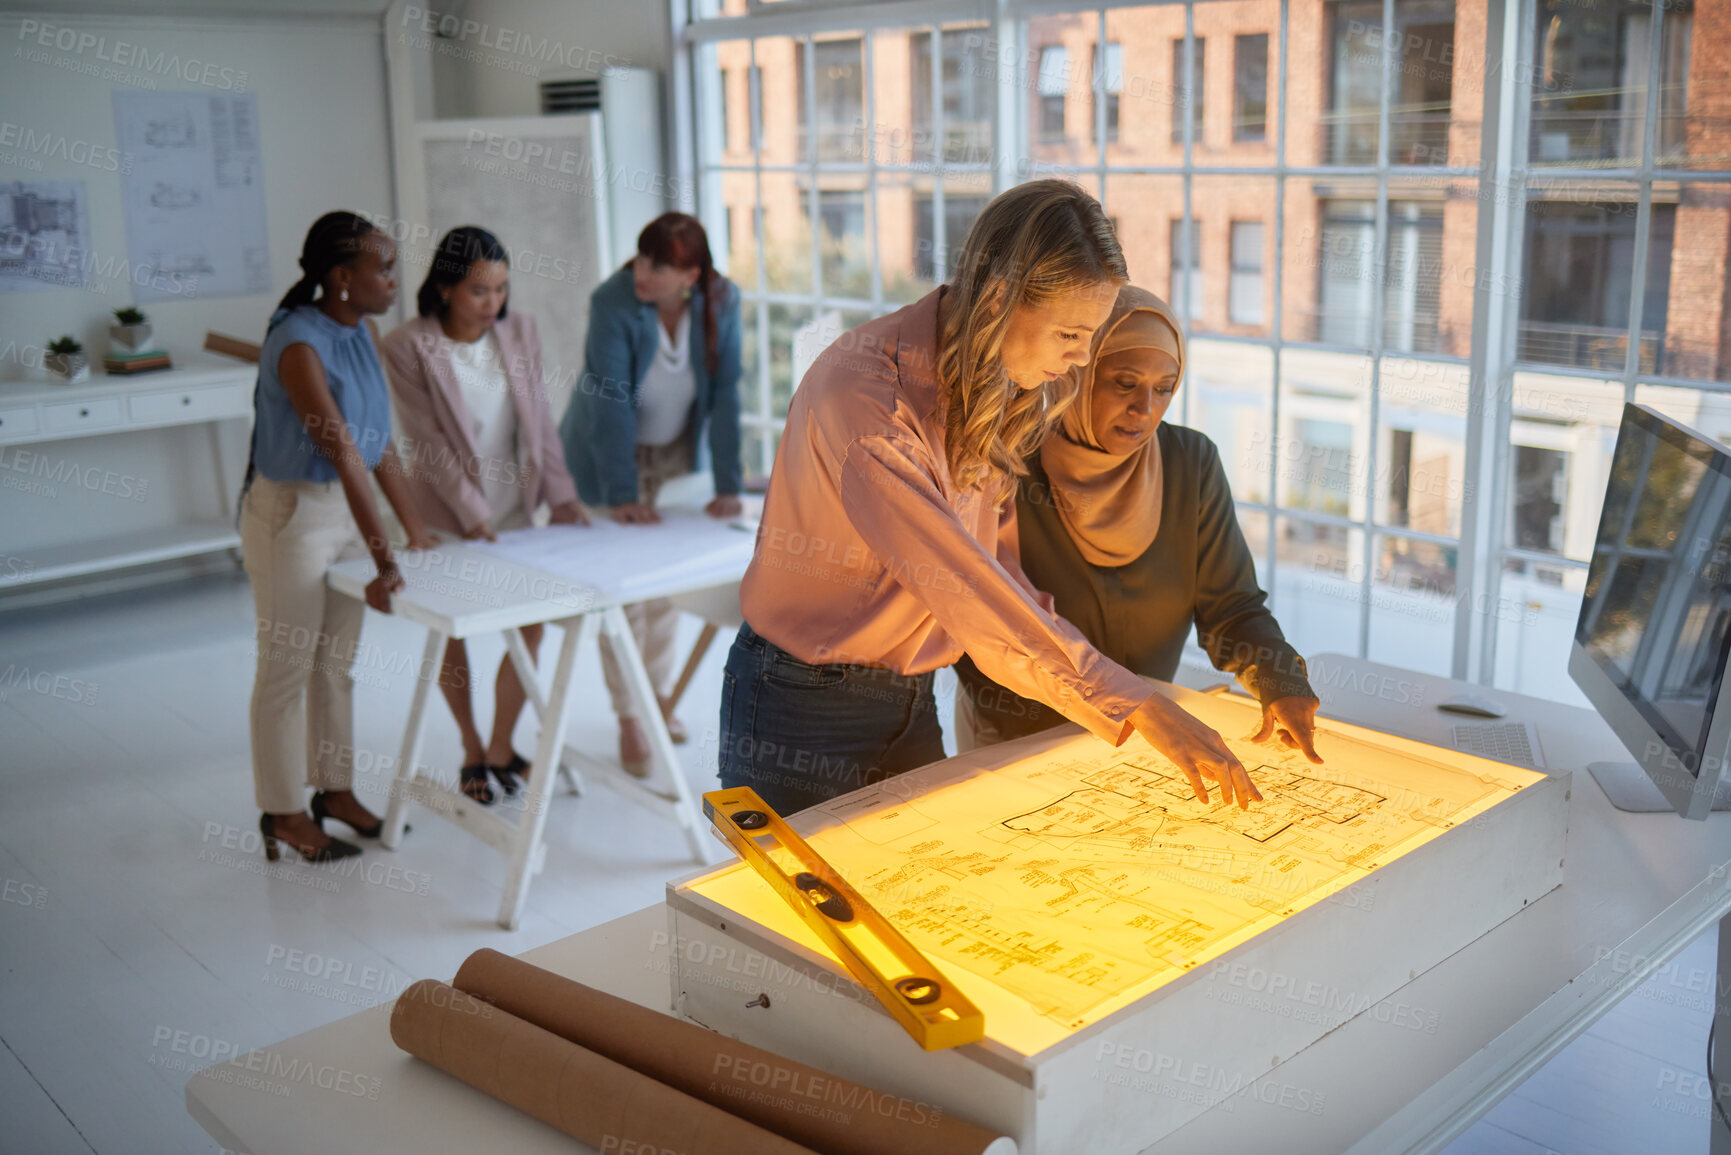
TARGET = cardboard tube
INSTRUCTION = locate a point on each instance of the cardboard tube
(802, 1103)
(568, 1087)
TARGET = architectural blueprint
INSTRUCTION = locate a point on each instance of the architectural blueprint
(193, 194)
(1080, 877)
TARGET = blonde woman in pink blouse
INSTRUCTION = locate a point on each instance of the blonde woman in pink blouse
(483, 453)
(887, 546)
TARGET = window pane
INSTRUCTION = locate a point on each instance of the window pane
(963, 200)
(1427, 271)
(784, 322)
(842, 237)
(1336, 236)
(838, 80)
(1689, 317)
(906, 277)
(1420, 476)
(1250, 87)
(1593, 79)
(1144, 208)
(739, 201)
(1422, 95)
(1185, 290)
(1412, 605)
(1225, 203)
(786, 233)
(1245, 295)
(781, 100)
(1561, 434)
(969, 87)
(1580, 252)
(1228, 394)
(1322, 445)
(1318, 585)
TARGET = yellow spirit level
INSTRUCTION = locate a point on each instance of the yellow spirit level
(931, 1009)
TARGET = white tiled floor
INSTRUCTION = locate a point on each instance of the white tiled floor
(139, 937)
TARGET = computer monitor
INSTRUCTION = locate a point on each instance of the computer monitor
(1651, 643)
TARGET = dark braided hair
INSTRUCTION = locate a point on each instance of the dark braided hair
(679, 240)
(334, 240)
(458, 252)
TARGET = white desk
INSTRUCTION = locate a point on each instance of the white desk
(1635, 885)
(459, 590)
(204, 390)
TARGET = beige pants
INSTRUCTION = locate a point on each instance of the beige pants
(655, 622)
(302, 694)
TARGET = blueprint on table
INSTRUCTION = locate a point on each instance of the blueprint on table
(1080, 878)
(618, 558)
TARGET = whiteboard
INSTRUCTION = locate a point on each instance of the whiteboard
(538, 185)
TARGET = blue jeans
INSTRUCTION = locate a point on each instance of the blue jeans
(800, 733)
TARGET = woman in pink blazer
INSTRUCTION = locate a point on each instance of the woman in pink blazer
(481, 450)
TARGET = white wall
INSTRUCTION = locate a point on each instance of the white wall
(322, 119)
(497, 61)
(323, 126)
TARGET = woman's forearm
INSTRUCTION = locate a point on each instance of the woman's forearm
(392, 479)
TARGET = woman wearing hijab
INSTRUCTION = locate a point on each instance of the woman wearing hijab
(1128, 523)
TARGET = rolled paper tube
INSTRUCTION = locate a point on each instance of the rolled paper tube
(568, 1087)
(804, 1104)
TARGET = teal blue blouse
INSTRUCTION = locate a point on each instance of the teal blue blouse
(282, 450)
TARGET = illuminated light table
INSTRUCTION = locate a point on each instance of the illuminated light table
(1121, 936)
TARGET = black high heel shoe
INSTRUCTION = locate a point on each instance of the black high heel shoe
(331, 851)
(321, 811)
(472, 780)
(512, 774)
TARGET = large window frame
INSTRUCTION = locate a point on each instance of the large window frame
(1494, 373)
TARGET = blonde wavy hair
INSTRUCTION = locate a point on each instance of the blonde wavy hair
(1036, 242)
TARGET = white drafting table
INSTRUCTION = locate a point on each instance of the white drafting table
(1638, 883)
(462, 589)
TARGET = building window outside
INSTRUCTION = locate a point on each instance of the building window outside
(1244, 294)
(1111, 82)
(1412, 274)
(1591, 83)
(1250, 87)
(1053, 87)
(1579, 264)
(968, 88)
(1420, 105)
(838, 76)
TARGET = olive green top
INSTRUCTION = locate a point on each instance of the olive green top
(1198, 570)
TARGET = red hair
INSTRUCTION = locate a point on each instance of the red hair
(679, 241)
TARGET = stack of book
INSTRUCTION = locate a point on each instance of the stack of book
(122, 363)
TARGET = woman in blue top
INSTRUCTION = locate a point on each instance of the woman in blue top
(660, 378)
(321, 426)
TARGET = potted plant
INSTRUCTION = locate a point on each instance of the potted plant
(65, 359)
(131, 330)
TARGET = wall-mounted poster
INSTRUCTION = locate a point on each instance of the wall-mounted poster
(44, 235)
(195, 196)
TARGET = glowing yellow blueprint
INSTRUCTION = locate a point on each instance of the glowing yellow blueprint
(1069, 882)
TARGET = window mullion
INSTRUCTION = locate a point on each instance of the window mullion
(1490, 379)
(1644, 206)
(1278, 327)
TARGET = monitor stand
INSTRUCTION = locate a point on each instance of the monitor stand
(1629, 788)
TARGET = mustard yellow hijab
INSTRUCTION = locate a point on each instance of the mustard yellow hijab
(1110, 504)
